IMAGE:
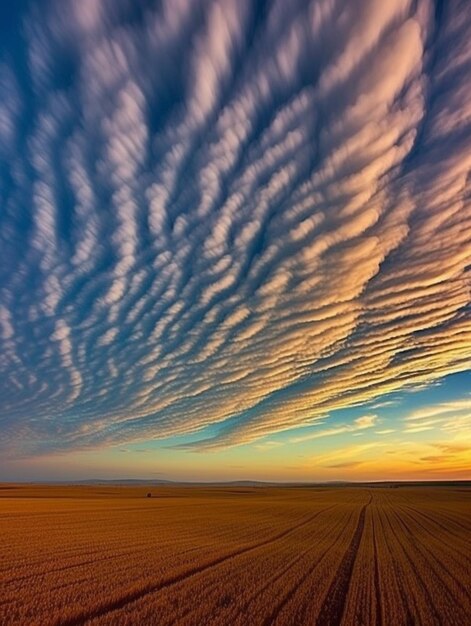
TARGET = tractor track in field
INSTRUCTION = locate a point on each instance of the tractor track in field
(270, 582)
(137, 594)
(333, 607)
(402, 538)
(273, 616)
(425, 553)
(388, 532)
(379, 606)
(64, 568)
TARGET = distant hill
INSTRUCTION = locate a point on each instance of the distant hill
(257, 483)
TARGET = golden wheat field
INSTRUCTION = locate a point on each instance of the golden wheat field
(235, 556)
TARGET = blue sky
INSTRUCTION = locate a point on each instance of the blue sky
(235, 235)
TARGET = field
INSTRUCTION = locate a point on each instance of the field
(235, 555)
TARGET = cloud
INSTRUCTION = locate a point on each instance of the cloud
(441, 410)
(345, 465)
(449, 417)
(365, 421)
(359, 452)
(449, 455)
(420, 429)
(6, 323)
(268, 445)
(223, 219)
(360, 423)
(452, 448)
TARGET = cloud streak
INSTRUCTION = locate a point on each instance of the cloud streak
(218, 218)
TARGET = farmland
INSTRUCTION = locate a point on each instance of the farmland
(235, 555)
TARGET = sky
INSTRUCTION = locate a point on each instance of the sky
(235, 239)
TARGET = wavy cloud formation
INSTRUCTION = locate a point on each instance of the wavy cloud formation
(228, 213)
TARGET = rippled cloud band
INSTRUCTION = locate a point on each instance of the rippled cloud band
(232, 215)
